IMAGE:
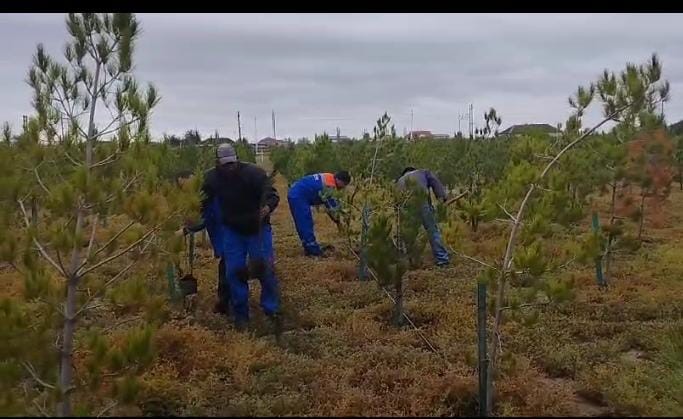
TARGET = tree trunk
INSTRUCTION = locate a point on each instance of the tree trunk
(482, 332)
(91, 124)
(608, 250)
(34, 211)
(599, 276)
(69, 328)
(642, 216)
(66, 353)
(398, 306)
(608, 258)
(363, 262)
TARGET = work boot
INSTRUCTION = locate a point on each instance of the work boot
(313, 255)
(277, 326)
(221, 308)
(241, 325)
(322, 255)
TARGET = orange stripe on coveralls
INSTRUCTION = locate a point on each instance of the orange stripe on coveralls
(328, 180)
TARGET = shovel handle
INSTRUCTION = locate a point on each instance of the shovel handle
(190, 251)
(457, 198)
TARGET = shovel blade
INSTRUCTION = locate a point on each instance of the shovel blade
(188, 285)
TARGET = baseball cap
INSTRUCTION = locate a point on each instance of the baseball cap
(226, 154)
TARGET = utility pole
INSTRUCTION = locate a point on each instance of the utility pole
(239, 127)
(462, 117)
(274, 136)
(411, 124)
(25, 121)
(471, 122)
(259, 155)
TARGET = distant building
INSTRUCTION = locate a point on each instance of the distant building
(531, 128)
(423, 135)
(265, 144)
(416, 135)
(338, 138)
(214, 141)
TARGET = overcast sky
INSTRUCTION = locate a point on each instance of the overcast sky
(323, 71)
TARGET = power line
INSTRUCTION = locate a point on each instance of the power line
(326, 119)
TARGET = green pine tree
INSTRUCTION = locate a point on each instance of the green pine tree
(630, 100)
(71, 168)
(679, 160)
(396, 243)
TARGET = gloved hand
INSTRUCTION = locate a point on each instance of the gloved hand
(265, 211)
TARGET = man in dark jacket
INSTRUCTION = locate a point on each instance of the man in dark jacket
(426, 180)
(246, 198)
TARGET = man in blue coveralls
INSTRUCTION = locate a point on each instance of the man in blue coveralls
(426, 180)
(246, 198)
(308, 191)
(211, 220)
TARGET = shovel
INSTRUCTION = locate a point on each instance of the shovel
(457, 198)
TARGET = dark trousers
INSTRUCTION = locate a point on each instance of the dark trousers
(223, 288)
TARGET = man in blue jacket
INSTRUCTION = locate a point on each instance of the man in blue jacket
(426, 180)
(246, 198)
(308, 191)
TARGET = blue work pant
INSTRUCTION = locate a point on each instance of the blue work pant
(259, 248)
(439, 251)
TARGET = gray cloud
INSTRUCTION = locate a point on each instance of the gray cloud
(313, 68)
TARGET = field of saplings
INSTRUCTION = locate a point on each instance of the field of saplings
(563, 296)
